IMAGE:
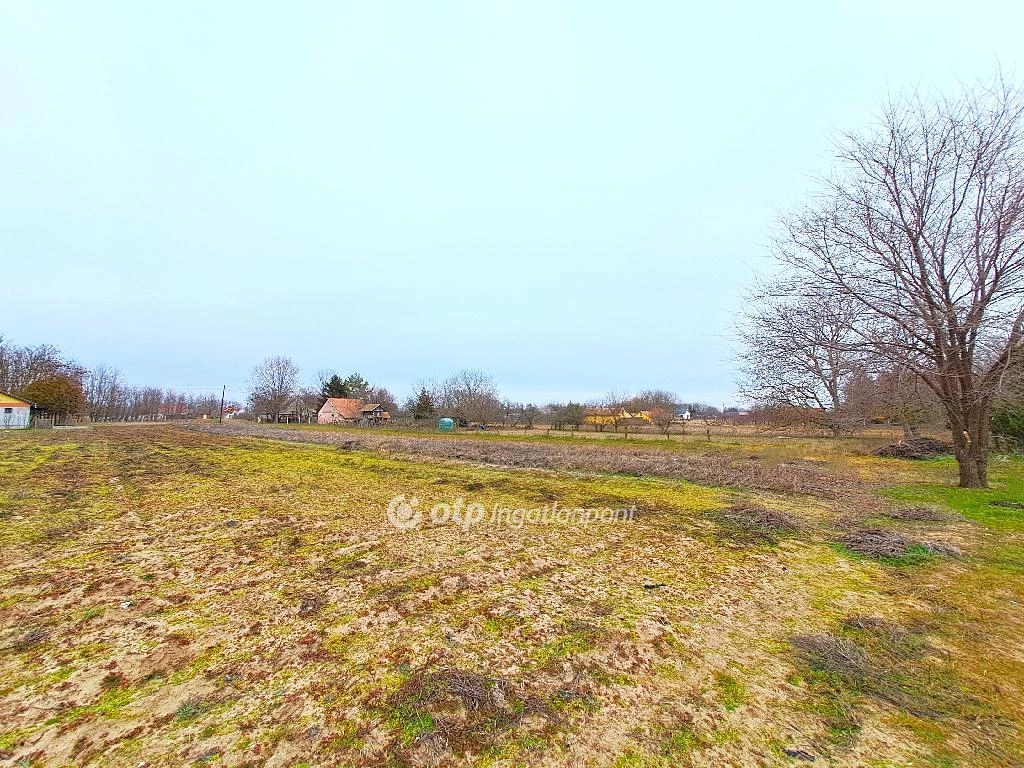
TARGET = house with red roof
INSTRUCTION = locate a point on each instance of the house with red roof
(347, 410)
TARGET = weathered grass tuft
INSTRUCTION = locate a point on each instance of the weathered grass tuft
(831, 653)
(749, 521)
(913, 514)
(873, 657)
(889, 545)
(30, 639)
(459, 709)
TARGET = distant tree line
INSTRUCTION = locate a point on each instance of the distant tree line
(69, 391)
(108, 398)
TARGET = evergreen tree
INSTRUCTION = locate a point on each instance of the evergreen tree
(336, 387)
(356, 386)
(424, 408)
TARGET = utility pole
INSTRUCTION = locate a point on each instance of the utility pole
(223, 391)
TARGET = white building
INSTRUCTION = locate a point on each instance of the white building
(14, 413)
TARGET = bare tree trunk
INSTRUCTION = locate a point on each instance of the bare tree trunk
(970, 443)
(909, 431)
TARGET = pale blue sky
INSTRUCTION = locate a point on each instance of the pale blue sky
(567, 195)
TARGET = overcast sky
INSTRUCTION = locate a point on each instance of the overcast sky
(569, 196)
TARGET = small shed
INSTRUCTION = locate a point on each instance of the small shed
(14, 413)
(446, 425)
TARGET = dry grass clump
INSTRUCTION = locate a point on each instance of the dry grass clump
(31, 638)
(311, 604)
(873, 658)
(916, 514)
(941, 548)
(875, 624)
(746, 520)
(877, 542)
(831, 653)
(918, 448)
(889, 545)
(1007, 504)
(876, 658)
(458, 709)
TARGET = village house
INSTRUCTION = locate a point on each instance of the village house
(172, 411)
(297, 410)
(14, 413)
(619, 416)
(346, 410)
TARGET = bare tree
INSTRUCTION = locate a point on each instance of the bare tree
(662, 406)
(383, 397)
(895, 395)
(608, 411)
(511, 413)
(921, 226)
(799, 351)
(105, 396)
(574, 414)
(530, 414)
(206, 405)
(271, 383)
(21, 366)
(146, 402)
(470, 395)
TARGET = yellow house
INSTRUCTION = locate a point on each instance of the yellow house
(609, 417)
(14, 413)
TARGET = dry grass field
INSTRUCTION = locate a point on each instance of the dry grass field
(176, 596)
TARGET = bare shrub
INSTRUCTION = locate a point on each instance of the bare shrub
(941, 548)
(877, 542)
(884, 544)
(886, 641)
(918, 514)
(918, 448)
(895, 635)
(760, 518)
(889, 663)
(747, 520)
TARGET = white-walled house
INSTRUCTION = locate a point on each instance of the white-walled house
(14, 413)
